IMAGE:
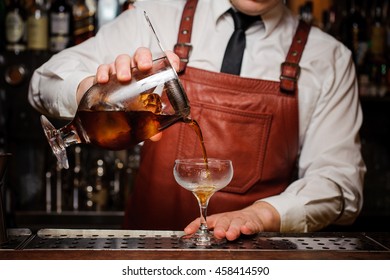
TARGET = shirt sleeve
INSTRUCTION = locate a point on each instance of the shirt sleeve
(53, 89)
(331, 169)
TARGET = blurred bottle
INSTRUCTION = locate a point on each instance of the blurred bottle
(107, 11)
(60, 25)
(98, 191)
(387, 27)
(15, 26)
(306, 12)
(387, 43)
(378, 60)
(83, 21)
(329, 21)
(2, 25)
(378, 32)
(77, 179)
(37, 27)
(354, 32)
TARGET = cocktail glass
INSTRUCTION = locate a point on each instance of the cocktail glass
(203, 178)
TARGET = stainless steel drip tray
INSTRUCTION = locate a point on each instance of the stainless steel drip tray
(75, 239)
(103, 239)
(16, 238)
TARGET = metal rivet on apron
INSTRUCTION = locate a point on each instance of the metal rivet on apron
(299, 40)
(294, 53)
(184, 32)
(187, 18)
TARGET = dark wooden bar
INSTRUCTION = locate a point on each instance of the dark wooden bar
(190, 255)
(55, 244)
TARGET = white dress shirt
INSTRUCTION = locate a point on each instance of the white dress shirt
(330, 165)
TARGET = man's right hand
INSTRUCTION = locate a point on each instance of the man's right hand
(121, 67)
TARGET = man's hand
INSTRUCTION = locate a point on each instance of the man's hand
(258, 217)
(121, 67)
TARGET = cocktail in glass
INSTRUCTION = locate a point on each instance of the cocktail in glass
(203, 178)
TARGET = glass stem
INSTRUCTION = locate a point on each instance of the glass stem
(203, 214)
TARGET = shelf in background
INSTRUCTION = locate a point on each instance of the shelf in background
(35, 220)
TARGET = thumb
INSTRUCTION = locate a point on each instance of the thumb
(156, 137)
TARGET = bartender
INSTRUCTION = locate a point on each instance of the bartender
(287, 113)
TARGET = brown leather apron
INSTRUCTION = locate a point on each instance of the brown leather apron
(252, 122)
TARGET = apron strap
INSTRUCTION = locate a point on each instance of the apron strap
(290, 69)
(183, 46)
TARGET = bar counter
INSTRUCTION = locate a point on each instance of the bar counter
(79, 244)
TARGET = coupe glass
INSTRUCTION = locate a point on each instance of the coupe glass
(203, 179)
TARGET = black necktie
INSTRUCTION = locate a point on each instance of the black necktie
(235, 49)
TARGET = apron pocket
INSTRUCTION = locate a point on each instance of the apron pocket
(233, 134)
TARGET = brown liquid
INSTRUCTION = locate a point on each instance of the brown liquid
(194, 124)
(203, 193)
(113, 129)
(118, 130)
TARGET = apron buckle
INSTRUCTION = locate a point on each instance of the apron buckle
(183, 51)
(289, 76)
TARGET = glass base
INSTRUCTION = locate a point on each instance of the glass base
(201, 239)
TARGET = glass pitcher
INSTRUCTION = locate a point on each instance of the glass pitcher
(117, 115)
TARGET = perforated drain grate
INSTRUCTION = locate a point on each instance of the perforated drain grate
(16, 238)
(166, 240)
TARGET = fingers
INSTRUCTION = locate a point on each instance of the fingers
(192, 227)
(103, 73)
(156, 137)
(142, 59)
(173, 59)
(229, 227)
(232, 224)
(250, 228)
(219, 223)
(122, 65)
(234, 230)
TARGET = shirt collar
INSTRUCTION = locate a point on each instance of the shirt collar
(219, 8)
(270, 19)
